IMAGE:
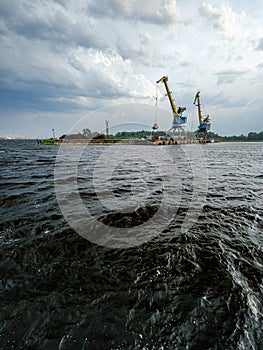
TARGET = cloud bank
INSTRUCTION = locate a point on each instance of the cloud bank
(73, 57)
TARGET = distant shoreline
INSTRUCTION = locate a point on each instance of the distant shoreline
(114, 141)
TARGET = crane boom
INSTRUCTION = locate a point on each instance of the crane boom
(164, 80)
(198, 104)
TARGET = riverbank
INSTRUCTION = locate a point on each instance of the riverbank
(105, 142)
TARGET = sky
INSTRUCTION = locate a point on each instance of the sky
(70, 64)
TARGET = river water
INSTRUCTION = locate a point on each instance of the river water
(138, 273)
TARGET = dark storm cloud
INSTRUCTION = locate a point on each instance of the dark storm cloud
(49, 22)
(39, 42)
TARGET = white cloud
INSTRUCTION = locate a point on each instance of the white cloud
(230, 23)
(106, 75)
(161, 12)
(260, 67)
(260, 44)
(139, 50)
(229, 76)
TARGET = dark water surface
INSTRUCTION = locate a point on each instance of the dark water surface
(199, 289)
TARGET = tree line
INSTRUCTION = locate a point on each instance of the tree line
(251, 136)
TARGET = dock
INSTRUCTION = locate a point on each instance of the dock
(138, 142)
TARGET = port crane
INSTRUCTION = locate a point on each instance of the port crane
(179, 122)
(204, 123)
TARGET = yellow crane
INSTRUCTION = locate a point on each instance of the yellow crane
(204, 123)
(178, 121)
